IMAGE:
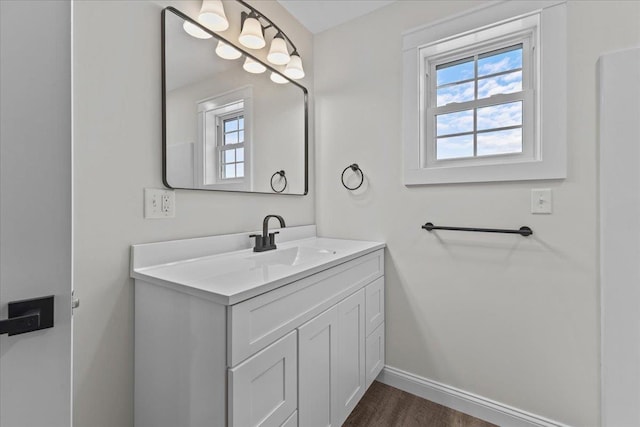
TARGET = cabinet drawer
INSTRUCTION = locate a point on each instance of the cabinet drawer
(263, 390)
(374, 306)
(375, 354)
(254, 323)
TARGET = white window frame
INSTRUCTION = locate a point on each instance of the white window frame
(221, 147)
(539, 24)
(430, 58)
(209, 159)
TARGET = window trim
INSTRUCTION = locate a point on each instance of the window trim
(225, 102)
(548, 159)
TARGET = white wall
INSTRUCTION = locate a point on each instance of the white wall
(512, 319)
(117, 154)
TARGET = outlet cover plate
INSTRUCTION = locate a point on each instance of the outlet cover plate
(541, 202)
(159, 203)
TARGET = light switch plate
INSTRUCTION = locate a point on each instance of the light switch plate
(541, 202)
(159, 203)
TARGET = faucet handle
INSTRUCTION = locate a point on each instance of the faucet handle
(272, 239)
(259, 241)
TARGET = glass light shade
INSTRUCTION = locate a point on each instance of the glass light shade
(195, 31)
(294, 68)
(226, 51)
(278, 53)
(253, 67)
(277, 78)
(251, 35)
(212, 15)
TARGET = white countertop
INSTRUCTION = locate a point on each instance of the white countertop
(231, 277)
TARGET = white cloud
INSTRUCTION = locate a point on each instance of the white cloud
(500, 116)
(448, 124)
(457, 93)
(501, 142)
(501, 62)
(507, 83)
(455, 147)
(494, 67)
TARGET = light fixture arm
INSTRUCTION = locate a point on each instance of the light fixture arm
(259, 15)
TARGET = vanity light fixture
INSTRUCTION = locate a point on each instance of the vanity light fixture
(253, 24)
(253, 67)
(226, 51)
(277, 78)
(212, 15)
(278, 53)
(252, 35)
(294, 68)
(253, 38)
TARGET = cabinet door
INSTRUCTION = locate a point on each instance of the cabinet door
(351, 356)
(317, 358)
(374, 305)
(263, 389)
(375, 354)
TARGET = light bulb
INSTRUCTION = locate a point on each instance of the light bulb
(277, 78)
(253, 67)
(226, 51)
(294, 68)
(195, 31)
(251, 35)
(212, 15)
(278, 53)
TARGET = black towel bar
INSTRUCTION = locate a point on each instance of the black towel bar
(523, 231)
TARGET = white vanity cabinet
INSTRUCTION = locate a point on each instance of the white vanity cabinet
(300, 354)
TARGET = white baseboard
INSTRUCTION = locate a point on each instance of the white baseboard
(463, 401)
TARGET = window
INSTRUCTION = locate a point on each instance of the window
(224, 149)
(230, 145)
(477, 104)
(473, 89)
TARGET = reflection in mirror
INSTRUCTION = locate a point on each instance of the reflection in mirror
(229, 124)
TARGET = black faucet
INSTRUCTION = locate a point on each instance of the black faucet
(267, 241)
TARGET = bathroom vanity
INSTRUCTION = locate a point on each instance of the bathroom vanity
(225, 336)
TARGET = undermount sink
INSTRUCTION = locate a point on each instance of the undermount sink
(224, 269)
(296, 255)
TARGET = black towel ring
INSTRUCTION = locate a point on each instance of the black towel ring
(282, 176)
(355, 168)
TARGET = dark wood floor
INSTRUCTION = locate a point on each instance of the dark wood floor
(386, 406)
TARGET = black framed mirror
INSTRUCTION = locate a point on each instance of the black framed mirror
(224, 128)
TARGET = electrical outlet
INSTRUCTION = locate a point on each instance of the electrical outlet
(166, 206)
(159, 203)
(541, 201)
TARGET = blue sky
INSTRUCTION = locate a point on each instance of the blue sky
(451, 88)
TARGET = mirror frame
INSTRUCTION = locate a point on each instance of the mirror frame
(269, 67)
